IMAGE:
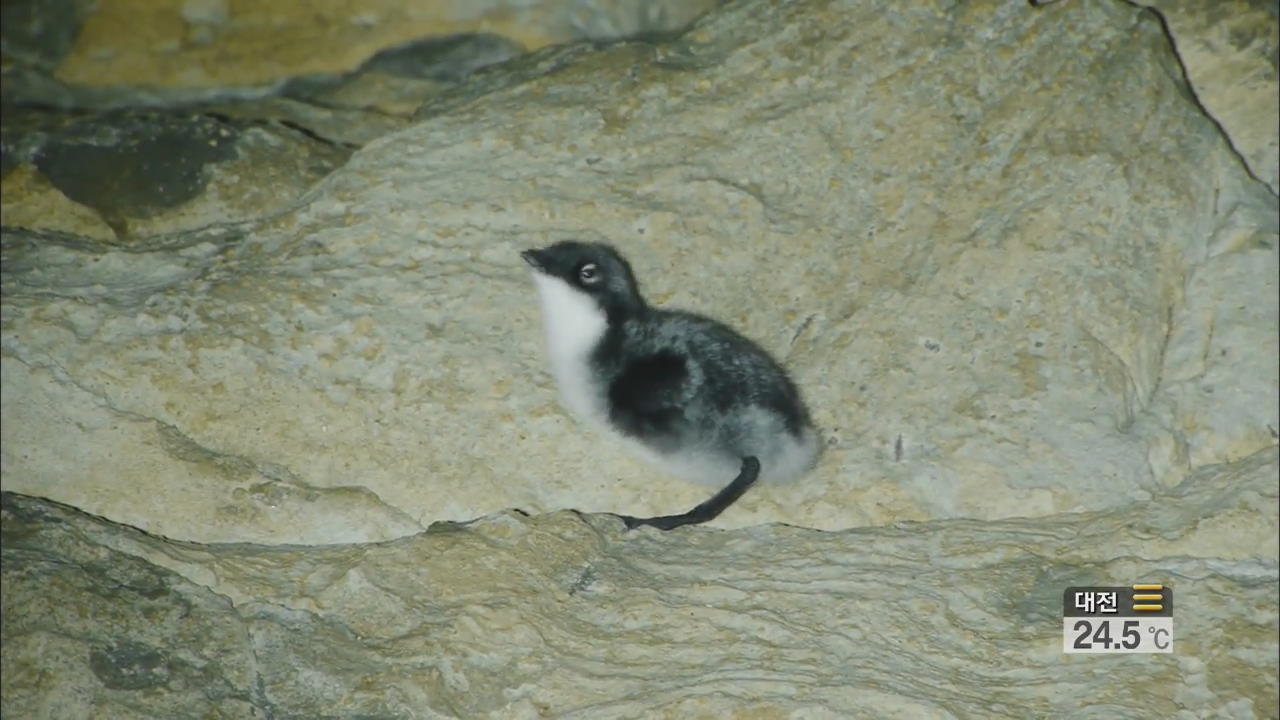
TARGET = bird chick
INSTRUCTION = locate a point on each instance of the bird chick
(684, 392)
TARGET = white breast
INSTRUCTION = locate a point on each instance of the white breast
(574, 324)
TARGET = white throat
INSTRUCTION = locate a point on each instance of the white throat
(574, 325)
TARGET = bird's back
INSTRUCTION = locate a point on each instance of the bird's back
(723, 398)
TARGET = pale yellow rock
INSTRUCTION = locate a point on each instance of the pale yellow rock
(1025, 283)
(993, 260)
(31, 201)
(572, 616)
(238, 500)
(1229, 49)
(207, 45)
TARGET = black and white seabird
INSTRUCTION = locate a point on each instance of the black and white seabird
(684, 392)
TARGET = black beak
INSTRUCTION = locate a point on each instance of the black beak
(534, 258)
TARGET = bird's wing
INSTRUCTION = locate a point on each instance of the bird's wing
(646, 398)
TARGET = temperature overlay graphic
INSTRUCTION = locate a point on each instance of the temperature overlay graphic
(1124, 619)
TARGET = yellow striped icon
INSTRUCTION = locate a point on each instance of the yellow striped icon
(1142, 593)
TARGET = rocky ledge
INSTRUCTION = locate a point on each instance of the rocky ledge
(279, 441)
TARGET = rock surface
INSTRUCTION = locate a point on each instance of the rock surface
(1051, 293)
(135, 52)
(572, 617)
(1231, 52)
(1025, 279)
(139, 179)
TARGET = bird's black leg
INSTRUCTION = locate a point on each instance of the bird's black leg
(711, 508)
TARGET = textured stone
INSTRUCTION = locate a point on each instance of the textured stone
(146, 179)
(40, 33)
(1017, 274)
(203, 50)
(570, 616)
(93, 632)
(396, 81)
(116, 53)
(1027, 284)
(1231, 52)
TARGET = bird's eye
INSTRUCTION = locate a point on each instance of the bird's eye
(589, 274)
